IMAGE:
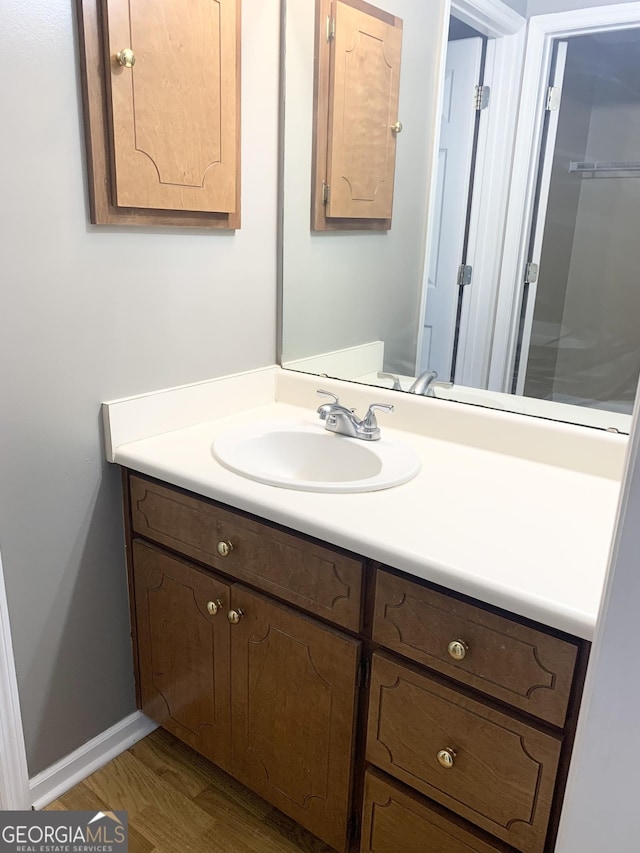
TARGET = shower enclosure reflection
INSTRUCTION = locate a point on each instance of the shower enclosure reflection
(579, 341)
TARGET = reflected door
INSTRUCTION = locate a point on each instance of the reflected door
(455, 156)
(363, 114)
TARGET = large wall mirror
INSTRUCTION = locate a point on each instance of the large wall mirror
(507, 277)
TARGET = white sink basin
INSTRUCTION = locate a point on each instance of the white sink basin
(311, 459)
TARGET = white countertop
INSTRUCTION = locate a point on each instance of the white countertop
(482, 518)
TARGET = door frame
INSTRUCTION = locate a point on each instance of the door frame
(506, 29)
(543, 30)
(536, 236)
(14, 776)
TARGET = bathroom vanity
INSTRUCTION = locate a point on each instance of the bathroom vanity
(384, 700)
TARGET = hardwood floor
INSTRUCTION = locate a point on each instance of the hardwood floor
(178, 802)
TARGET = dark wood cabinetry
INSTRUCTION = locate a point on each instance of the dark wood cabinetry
(265, 691)
(345, 693)
(496, 771)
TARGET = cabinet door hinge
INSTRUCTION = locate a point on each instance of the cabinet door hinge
(553, 98)
(482, 97)
(331, 28)
(531, 273)
(353, 828)
(364, 668)
(465, 273)
(326, 190)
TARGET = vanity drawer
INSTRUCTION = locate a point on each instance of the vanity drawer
(503, 771)
(391, 814)
(522, 666)
(300, 571)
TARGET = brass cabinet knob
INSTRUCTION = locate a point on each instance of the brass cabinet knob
(397, 127)
(126, 57)
(234, 616)
(224, 548)
(446, 757)
(214, 607)
(458, 649)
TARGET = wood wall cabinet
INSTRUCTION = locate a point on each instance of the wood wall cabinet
(381, 713)
(162, 111)
(357, 83)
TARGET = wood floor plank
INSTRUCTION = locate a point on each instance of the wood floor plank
(178, 802)
(191, 774)
(256, 834)
(161, 753)
(82, 798)
(128, 783)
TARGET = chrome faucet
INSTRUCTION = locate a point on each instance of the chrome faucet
(339, 419)
(422, 385)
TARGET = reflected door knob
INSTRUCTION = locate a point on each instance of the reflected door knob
(234, 616)
(397, 127)
(213, 607)
(458, 649)
(126, 57)
(446, 757)
(224, 548)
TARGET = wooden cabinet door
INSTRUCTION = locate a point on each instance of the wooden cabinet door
(183, 650)
(363, 107)
(294, 704)
(174, 116)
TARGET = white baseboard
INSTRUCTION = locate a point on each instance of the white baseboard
(91, 756)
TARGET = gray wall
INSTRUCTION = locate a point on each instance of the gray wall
(91, 314)
(544, 7)
(350, 288)
(520, 6)
(600, 810)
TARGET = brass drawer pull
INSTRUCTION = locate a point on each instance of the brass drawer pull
(126, 57)
(446, 757)
(234, 616)
(214, 607)
(224, 548)
(458, 649)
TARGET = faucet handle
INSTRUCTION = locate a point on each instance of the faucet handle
(369, 423)
(396, 381)
(325, 408)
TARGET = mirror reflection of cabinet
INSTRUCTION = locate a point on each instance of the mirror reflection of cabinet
(357, 80)
(161, 92)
